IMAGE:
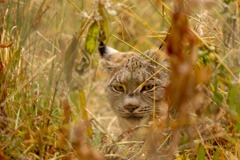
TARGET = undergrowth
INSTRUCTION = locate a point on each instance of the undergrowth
(52, 103)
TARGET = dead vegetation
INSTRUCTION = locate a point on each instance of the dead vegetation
(52, 103)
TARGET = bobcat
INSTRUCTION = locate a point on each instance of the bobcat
(136, 84)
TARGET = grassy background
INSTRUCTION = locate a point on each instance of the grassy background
(52, 89)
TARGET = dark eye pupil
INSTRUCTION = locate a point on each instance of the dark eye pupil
(118, 88)
(147, 88)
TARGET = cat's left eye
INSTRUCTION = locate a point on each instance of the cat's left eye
(147, 88)
(118, 88)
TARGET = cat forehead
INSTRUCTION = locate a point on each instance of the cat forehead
(121, 56)
(131, 57)
(126, 76)
(147, 62)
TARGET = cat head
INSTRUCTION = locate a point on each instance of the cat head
(136, 81)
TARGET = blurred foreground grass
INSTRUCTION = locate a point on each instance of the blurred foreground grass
(52, 103)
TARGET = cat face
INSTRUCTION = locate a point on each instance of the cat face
(136, 83)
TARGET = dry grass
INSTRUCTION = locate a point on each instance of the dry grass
(52, 103)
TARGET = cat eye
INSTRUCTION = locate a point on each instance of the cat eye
(118, 88)
(147, 88)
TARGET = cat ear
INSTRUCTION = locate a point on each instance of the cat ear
(106, 50)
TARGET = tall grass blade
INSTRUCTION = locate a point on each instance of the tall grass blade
(216, 155)
(70, 57)
(103, 23)
(201, 153)
(84, 113)
(17, 119)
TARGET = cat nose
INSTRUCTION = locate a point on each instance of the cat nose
(131, 108)
(131, 103)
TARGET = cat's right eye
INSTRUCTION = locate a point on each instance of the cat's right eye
(147, 88)
(118, 88)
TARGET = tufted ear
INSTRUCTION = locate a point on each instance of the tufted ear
(106, 50)
(109, 57)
